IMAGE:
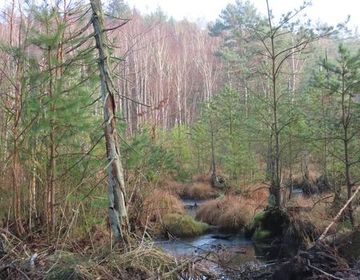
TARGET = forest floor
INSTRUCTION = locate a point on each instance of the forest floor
(229, 211)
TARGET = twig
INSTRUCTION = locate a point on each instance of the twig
(321, 199)
(177, 268)
(323, 272)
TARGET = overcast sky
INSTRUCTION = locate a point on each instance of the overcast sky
(330, 11)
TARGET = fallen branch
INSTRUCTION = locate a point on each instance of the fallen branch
(323, 272)
(321, 199)
(323, 235)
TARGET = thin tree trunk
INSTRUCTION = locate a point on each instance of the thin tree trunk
(50, 191)
(275, 180)
(116, 185)
(345, 122)
(213, 162)
(16, 169)
(32, 197)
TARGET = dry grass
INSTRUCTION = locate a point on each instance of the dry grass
(258, 193)
(159, 204)
(202, 178)
(230, 212)
(313, 210)
(141, 261)
(172, 186)
(199, 191)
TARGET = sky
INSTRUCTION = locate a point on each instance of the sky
(203, 11)
(329, 11)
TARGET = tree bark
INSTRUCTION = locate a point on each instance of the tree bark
(345, 117)
(275, 189)
(16, 166)
(116, 185)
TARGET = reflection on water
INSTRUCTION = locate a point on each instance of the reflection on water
(235, 245)
(297, 192)
(213, 242)
(227, 250)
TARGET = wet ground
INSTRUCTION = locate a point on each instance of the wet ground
(230, 253)
(235, 247)
(208, 242)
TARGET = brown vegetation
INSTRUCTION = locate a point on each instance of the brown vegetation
(312, 211)
(202, 177)
(318, 262)
(92, 261)
(172, 186)
(258, 193)
(228, 213)
(158, 204)
(199, 191)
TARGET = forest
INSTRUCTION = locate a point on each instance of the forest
(138, 146)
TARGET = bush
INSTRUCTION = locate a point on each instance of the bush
(184, 225)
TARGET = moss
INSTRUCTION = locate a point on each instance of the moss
(261, 235)
(184, 225)
(272, 222)
(254, 225)
(258, 217)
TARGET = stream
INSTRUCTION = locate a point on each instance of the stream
(233, 248)
(209, 242)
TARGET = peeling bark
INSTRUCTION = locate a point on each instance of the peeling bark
(116, 184)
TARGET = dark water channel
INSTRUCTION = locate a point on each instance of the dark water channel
(213, 241)
(232, 248)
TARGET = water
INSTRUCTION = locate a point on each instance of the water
(191, 205)
(210, 242)
(297, 192)
(234, 244)
(226, 250)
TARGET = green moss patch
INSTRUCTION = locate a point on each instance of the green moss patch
(184, 225)
(262, 234)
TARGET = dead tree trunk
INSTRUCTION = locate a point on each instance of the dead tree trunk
(116, 185)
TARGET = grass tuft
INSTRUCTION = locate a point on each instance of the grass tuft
(228, 213)
(200, 191)
(184, 225)
(160, 203)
